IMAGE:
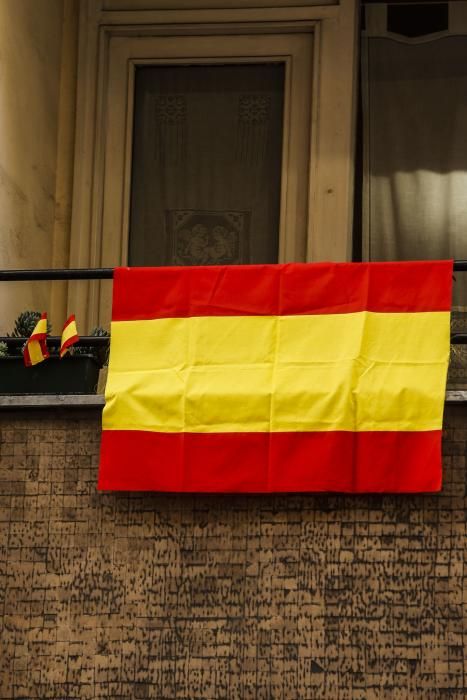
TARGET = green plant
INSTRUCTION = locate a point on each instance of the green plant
(24, 326)
(100, 354)
(3, 350)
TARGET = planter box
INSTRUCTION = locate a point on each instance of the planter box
(72, 375)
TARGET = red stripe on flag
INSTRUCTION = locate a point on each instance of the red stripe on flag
(351, 462)
(291, 289)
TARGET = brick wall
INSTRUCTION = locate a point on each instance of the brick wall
(241, 597)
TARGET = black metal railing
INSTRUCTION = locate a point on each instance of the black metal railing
(107, 273)
(78, 273)
(84, 273)
(55, 340)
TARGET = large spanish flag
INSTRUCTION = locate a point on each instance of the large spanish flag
(261, 378)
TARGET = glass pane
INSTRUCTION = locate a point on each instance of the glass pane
(416, 140)
(206, 169)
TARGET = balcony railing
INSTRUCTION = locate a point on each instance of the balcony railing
(85, 273)
(107, 273)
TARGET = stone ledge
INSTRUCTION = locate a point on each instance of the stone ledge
(456, 397)
(98, 401)
(52, 400)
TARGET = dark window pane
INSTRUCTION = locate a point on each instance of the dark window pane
(206, 166)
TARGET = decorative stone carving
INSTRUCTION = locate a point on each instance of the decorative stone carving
(207, 237)
(170, 109)
(254, 109)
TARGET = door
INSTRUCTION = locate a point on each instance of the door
(206, 150)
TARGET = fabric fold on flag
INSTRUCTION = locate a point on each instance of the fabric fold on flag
(263, 378)
(35, 350)
(69, 335)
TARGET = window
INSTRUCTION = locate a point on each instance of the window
(206, 165)
(414, 88)
(287, 191)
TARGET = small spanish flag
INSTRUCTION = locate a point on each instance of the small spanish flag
(69, 335)
(35, 350)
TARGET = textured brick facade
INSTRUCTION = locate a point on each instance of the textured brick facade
(295, 597)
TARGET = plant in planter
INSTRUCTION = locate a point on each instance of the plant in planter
(100, 354)
(24, 326)
(76, 373)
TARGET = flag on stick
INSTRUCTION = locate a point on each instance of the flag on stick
(35, 350)
(69, 335)
(276, 378)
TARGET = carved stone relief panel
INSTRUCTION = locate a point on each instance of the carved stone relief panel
(207, 237)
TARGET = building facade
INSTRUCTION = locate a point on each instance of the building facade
(143, 132)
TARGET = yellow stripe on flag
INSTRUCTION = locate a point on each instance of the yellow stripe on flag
(35, 352)
(69, 335)
(70, 331)
(357, 371)
(40, 327)
(215, 340)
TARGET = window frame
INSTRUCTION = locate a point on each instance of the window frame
(331, 119)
